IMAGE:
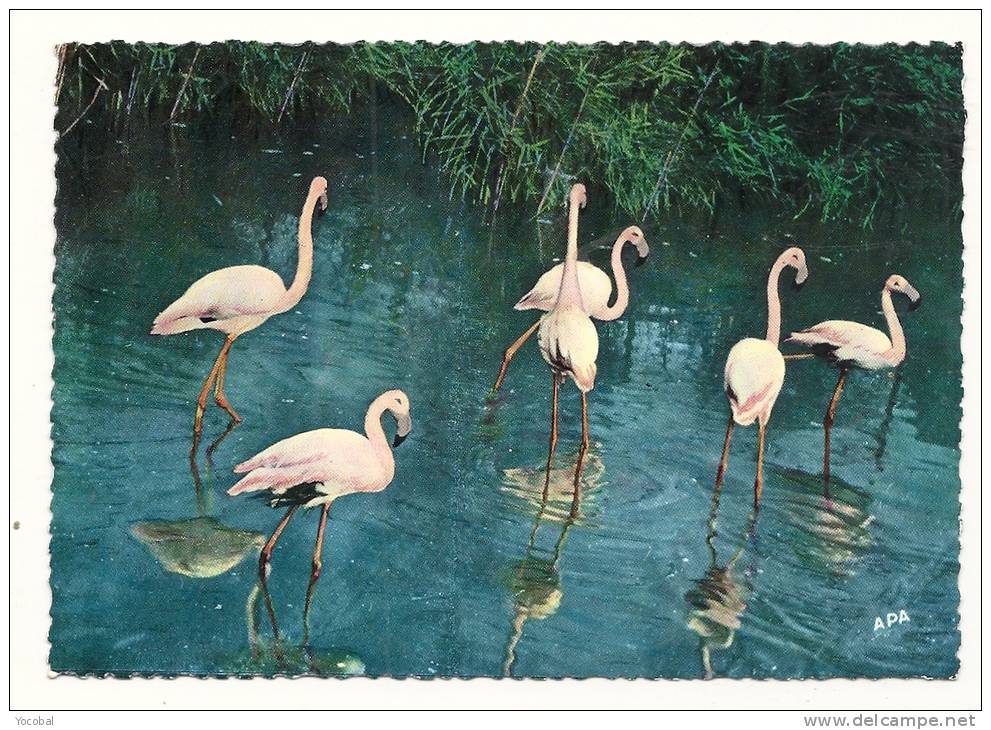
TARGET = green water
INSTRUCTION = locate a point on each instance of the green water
(153, 566)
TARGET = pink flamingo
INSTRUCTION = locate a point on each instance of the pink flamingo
(755, 370)
(237, 299)
(569, 343)
(596, 289)
(316, 467)
(853, 345)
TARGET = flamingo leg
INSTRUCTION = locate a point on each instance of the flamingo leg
(724, 459)
(553, 442)
(205, 391)
(218, 393)
(314, 572)
(759, 480)
(510, 352)
(582, 450)
(263, 563)
(266, 555)
(827, 424)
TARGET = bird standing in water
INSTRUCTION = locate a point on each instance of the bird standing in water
(853, 345)
(237, 299)
(755, 370)
(314, 468)
(569, 343)
(595, 286)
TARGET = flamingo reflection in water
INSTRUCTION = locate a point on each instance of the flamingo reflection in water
(534, 582)
(198, 547)
(719, 598)
(279, 658)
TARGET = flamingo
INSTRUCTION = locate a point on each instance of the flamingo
(848, 345)
(569, 343)
(316, 467)
(595, 286)
(755, 370)
(237, 299)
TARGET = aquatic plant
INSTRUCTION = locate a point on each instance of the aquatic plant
(840, 132)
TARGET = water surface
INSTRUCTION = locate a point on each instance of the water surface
(153, 566)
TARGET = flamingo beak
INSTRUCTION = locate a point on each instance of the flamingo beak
(914, 304)
(643, 251)
(323, 202)
(800, 278)
(404, 424)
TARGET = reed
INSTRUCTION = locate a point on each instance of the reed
(841, 132)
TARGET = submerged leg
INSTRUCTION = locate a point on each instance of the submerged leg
(759, 480)
(218, 394)
(314, 572)
(205, 391)
(827, 425)
(721, 471)
(553, 442)
(582, 450)
(510, 351)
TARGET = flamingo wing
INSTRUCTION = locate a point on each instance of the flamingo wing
(235, 291)
(843, 341)
(594, 283)
(342, 460)
(755, 372)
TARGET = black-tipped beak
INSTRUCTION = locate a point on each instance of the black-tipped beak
(641, 260)
(322, 208)
(914, 304)
(398, 440)
(797, 285)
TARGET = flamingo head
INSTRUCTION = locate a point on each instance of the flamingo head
(319, 188)
(899, 285)
(397, 402)
(635, 236)
(578, 196)
(795, 258)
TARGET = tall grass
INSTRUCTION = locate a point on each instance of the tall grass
(838, 132)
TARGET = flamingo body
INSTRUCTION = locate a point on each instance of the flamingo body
(570, 345)
(853, 345)
(237, 299)
(321, 465)
(233, 300)
(755, 372)
(595, 285)
(850, 344)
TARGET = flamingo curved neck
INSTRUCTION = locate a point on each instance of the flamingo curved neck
(622, 288)
(304, 264)
(373, 425)
(570, 293)
(774, 304)
(897, 352)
